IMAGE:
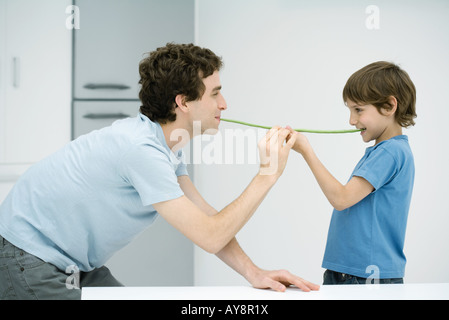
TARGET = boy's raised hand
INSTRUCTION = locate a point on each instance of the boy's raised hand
(301, 144)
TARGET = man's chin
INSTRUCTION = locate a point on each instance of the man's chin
(211, 131)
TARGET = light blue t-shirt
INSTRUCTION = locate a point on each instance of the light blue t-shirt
(91, 198)
(372, 232)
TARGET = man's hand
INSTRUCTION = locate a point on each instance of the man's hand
(273, 152)
(278, 280)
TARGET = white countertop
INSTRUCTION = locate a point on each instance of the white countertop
(421, 291)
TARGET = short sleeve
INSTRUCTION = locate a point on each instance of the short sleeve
(182, 167)
(149, 170)
(378, 168)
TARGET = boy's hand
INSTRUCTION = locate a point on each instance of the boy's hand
(301, 142)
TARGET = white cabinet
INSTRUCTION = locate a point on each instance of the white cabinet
(114, 36)
(92, 115)
(35, 84)
(36, 98)
(35, 80)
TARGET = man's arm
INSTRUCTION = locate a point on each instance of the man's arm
(212, 233)
(233, 255)
(340, 196)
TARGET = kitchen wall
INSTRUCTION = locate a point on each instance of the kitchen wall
(286, 63)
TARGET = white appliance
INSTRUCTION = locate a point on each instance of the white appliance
(113, 37)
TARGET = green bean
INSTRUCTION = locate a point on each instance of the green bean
(298, 130)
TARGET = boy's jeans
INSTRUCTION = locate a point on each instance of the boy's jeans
(26, 277)
(332, 277)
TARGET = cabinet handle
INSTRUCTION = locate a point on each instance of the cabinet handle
(106, 86)
(96, 116)
(15, 72)
(9, 178)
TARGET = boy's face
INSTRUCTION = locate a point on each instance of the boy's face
(208, 108)
(375, 126)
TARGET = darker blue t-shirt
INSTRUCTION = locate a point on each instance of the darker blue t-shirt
(372, 232)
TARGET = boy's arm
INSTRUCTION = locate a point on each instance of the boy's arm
(340, 196)
(233, 255)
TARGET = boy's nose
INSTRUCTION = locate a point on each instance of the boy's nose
(352, 121)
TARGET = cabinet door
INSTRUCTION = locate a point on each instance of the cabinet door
(35, 109)
(92, 115)
(114, 36)
(2, 78)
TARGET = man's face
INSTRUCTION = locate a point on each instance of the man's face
(208, 108)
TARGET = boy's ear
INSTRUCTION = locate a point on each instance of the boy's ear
(393, 102)
(180, 101)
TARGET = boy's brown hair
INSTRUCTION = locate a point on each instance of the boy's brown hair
(376, 83)
(172, 70)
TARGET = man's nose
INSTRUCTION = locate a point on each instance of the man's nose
(222, 103)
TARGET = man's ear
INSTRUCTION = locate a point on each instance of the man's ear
(180, 101)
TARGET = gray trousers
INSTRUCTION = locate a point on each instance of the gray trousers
(26, 277)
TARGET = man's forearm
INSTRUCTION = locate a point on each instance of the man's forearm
(234, 216)
(252, 196)
(274, 154)
(201, 223)
(234, 256)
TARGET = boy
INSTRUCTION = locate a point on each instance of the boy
(367, 230)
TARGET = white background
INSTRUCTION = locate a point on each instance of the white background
(286, 63)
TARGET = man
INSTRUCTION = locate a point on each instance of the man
(76, 208)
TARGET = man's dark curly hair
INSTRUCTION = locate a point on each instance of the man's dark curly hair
(172, 70)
